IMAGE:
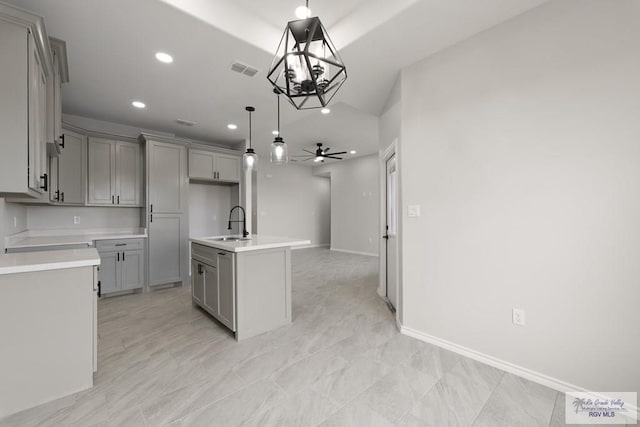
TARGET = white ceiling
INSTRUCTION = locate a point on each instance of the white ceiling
(111, 46)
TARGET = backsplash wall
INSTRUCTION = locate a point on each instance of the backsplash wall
(61, 217)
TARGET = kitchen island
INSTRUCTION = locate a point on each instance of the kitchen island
(245, 283)
(48, 325)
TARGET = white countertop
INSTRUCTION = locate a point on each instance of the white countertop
(49, 260)
(257, 242)
(35, 239)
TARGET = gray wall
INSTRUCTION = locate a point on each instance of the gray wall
(9, 211)
(209, 207)
(521, 145)
(293, 203)
(61, 217)
(354, 203)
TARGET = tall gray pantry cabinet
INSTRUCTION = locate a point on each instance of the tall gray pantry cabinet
(166, 210)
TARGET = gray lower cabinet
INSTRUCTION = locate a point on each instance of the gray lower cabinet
(213, 283)
(197, 282)
(121, 265)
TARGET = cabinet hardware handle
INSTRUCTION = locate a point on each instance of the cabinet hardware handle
(113, 198)
(121, 244)
(151, 218)
(62, 138)
(122, 256)
(200, 269)
(118, 199)
(57, 197)
(62, 197)
(152, 208)
(118, 256)
(221, 253)
(45, 177)
(99, 288)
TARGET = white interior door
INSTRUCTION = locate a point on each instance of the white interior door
(392, 229)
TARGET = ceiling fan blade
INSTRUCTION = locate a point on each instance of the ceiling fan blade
(337, 154)
(326, 149)
(331, 157)
(310, 152)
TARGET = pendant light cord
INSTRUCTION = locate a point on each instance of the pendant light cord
(250, 129)
(279, 108)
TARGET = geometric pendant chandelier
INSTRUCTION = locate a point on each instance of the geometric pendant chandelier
(307, 68)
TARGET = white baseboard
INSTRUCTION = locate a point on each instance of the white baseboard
(354, 252)
(520, 371)
(324, 245)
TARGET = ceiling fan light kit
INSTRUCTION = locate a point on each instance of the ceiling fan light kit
(250, 159)
(307, 68)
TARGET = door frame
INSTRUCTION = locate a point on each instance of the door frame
(384, 155)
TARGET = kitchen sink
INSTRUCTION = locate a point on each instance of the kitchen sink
(232, 239)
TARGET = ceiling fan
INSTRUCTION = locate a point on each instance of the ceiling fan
(319, 155)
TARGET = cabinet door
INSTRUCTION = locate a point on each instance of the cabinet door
(228, 167)
(132, 269)
(167, 177)
(37, 116)
(108, 272)
(201, 165)
(128, 174)
(101, 172)
(71, 169)
(211, 289)
(197, 282)
(226, 290)
(165, 249)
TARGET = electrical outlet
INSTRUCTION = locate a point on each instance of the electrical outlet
(413, 211)
(76, 220)
(518, 316)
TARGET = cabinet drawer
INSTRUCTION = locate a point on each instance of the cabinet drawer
(205, 254)
(119, 245)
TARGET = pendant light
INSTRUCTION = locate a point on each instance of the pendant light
(307, 68)
(250, 159)
(279, 151)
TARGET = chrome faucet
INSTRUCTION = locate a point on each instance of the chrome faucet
(243, 221)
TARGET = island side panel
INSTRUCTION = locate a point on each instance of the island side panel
(263, 300)
(46, 325)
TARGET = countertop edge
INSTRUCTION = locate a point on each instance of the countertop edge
(230, 247)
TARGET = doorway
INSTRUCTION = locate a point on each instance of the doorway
(391, 230)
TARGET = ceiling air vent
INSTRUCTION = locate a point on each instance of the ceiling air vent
(245, 69)
(185, 122)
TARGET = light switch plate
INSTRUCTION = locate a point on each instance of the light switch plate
(76, 220)
(413, 211)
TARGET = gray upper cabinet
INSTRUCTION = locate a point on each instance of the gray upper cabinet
(213, 166)
(25, 68)
(167, 184)
(115, 173)
(69, 170)
(128, 174)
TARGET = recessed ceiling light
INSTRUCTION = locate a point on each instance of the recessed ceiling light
(232, 126)
(325, 111)
(138, 104)
(352, 152)
(303, 12)
(275, 132)
(164, 57)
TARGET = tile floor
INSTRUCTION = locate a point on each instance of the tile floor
(341, 363)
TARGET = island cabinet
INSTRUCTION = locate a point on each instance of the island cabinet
(247, 291)
(122, 265)
(213, 166)
(213, 283)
